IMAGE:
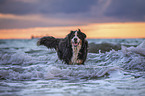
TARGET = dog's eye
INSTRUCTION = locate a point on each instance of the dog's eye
(79, 36)
(72, 36)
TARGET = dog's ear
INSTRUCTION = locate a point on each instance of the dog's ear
(71, 32)
(83, 35)
(79, 30)
(68, 38)
(83, 40)
(69, 35)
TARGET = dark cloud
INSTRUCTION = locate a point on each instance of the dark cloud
(56, 12)
(45, 6)
(117, 8)
(15, 7)
(130, 9)
(67, 6)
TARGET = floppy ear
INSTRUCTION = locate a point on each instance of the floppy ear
(69, 35)
(68, 38)
(83, 35)
(79, 30)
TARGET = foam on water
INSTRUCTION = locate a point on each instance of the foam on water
(134, 57)
(107, 71)
(48, 71)
(139, 49)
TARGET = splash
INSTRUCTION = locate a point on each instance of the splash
(139, 49)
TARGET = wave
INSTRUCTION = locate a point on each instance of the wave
(134, 57)
(103, 47)
(55, 72)
(29, 63)
(139, 49)
(16, 58)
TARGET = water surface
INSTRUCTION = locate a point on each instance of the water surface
(29, 70)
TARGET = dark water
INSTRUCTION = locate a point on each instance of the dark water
(29, 70)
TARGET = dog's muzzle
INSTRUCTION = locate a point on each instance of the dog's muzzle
(75, 42)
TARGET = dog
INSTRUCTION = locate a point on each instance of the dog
(72, 49)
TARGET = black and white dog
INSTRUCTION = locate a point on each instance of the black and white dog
(72, 49)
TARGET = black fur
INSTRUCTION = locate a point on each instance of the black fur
(64, 47)
(49, 42)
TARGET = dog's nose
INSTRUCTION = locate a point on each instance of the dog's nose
(75, 40)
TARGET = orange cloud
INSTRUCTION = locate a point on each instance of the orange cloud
(117, 30)
(96, 30)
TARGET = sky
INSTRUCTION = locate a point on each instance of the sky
(65, 15)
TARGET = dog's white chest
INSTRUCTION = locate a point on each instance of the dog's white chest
(74, 58)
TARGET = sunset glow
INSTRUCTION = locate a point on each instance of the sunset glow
(22, 19)
(96, 30)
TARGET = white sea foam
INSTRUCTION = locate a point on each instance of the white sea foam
(139, 49)
(17, 58)
(28, 69)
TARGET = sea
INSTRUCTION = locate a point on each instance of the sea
(30, 70)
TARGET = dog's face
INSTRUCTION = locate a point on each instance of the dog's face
(76, 38)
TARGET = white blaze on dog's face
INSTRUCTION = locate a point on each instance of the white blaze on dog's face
(76, 43)
(75, 40)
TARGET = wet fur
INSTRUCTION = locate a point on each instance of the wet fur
(64, 48)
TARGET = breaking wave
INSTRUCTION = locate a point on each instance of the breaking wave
(39, 64)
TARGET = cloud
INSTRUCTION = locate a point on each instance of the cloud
(42, 13)
(129, 9)
(8, 21)
(27, 1)
(45, 6)
(97, 10)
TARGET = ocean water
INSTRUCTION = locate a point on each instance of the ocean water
(29, 70)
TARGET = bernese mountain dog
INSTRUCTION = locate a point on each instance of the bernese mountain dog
(72, 49)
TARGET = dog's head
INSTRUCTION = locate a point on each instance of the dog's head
(76, 38)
